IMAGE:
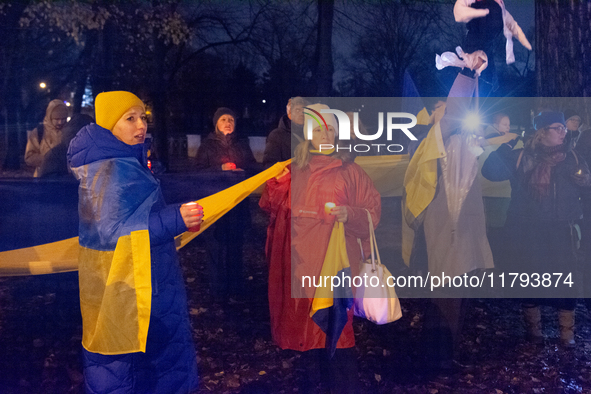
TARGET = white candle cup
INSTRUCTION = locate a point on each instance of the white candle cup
(328, 207)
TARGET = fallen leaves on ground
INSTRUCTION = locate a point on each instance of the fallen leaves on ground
(40, 333)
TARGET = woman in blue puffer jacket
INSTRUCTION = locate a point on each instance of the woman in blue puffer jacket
(136, 331)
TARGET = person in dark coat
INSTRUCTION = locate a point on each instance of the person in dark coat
(224, 151)
(547, 181)
(282, 141)
(136, 332)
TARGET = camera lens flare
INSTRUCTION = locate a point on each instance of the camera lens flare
(472, 121)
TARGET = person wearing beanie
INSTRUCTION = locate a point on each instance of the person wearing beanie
(136, 333)
(46, 135)
(226, 153)
(547, 182)
(573, 124)
(297, 201)
(224, 150)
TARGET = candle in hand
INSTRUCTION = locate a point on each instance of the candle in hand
(328, 207)
(199, 208)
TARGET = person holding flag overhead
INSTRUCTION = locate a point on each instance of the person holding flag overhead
(136, 333)
(319, 326)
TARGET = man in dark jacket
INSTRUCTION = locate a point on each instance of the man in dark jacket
(282, 141)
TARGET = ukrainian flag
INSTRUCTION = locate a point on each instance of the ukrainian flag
(115, 199)
(330, 306)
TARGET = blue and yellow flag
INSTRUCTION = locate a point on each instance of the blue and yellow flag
(330, 305)
(115, 199)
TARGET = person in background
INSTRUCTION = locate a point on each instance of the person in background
(583, 148)
(500, 126)
(223, 151)
(573, 120)
(296, 202)
(55, 161)
(282, 141)
(46, 135)
(547, 181)
(136, 334)
(573, 125)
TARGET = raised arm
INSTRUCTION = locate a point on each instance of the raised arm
(458, 103)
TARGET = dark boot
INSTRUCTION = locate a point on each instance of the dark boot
(533, 324)
(344, 376)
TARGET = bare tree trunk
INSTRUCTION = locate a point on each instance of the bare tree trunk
(10, 89)
(159, 94)
(563, 55)
(324, 65)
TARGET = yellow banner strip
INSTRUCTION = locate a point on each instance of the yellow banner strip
(62, 256)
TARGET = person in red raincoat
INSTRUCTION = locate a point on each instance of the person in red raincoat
(297, 241)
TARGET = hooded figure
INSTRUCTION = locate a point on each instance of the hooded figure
(55, 162)
(297, 240)
(47, 135)
(136, 332)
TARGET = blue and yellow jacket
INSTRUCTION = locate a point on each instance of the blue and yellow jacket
(128, 266)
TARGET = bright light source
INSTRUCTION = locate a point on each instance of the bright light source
(67, 103)
(69, 118)
(264, 101)
(472, 121)
(42, 85)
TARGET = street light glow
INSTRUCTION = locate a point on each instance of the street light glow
(42, 85)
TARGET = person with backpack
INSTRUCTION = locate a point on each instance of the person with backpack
(46, 135)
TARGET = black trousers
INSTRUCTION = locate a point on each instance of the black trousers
(224, 246)
(339, 374)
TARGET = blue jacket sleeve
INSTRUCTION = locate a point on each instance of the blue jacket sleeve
(501, 164)
(165, 224)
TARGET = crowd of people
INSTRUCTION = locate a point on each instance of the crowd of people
(136, 327)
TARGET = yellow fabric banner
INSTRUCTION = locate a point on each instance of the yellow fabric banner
(62, 256)
(111, 293)
(420, 181)
(386, 172)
